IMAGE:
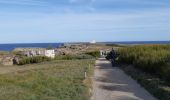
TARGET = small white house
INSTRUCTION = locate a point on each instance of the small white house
(50, 53)
(93, 42)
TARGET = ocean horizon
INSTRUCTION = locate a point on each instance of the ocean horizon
(139, 42)
(12, 46)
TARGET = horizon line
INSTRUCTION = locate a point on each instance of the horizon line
(90, 41)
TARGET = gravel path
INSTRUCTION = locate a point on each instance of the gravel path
(111, 83)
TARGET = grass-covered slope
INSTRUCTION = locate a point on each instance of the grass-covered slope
(57, 80)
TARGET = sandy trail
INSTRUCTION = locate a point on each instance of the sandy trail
(111, 83)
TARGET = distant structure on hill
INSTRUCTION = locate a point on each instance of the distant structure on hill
(11, 59)
(93, 42)
(31, 52)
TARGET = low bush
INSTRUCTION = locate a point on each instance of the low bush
(95, 54)
(31, 60)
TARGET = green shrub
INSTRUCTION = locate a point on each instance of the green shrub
(94, 53)
(31, 60)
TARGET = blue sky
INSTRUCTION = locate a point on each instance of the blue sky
(25, 21)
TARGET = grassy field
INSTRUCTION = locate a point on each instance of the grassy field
(56, 80)
(150, 67)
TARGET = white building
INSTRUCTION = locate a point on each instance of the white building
(93, 42)
(50, 53)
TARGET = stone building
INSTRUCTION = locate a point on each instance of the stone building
(32, 52)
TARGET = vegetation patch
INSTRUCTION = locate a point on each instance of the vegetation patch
(150, 67)
(31, 60)
(73, 57)
(60, 80)
(95, 54)
(154, 59)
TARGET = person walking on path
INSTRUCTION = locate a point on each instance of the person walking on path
(112, 56)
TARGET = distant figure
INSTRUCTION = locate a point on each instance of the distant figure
(15, 61)
(111, 56)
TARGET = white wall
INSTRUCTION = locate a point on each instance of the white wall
(50, 53)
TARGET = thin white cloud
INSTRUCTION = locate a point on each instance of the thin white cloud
(23, 2)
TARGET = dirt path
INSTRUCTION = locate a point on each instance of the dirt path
(111, 83)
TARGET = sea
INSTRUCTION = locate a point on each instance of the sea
(10, 47)
(139, 42)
